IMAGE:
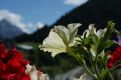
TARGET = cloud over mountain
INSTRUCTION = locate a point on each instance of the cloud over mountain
(17, 20)
(75, 2)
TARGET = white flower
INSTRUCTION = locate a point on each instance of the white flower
(82, 77)
(35, 74)
(95, 35)
(60, 39)
(92, 30)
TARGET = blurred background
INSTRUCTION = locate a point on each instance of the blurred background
(24, 24)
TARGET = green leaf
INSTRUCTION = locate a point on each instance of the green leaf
(105, 38)
(104, 73)
(110, 29)
(109, 43)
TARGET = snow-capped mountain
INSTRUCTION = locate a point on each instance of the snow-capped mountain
(9, 30)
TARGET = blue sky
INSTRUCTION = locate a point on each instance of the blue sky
(42, 11)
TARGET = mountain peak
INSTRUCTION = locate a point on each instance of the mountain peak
(8, 30)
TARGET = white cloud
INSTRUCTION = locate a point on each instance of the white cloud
(75, 2)
(16, 19)
(39, 25)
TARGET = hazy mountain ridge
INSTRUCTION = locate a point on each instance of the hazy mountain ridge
(8, 30)
(94, 11)
(37, 36)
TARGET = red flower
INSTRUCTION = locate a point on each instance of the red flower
(12, 65)
(115, 56)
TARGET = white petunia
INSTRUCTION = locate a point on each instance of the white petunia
(82, 77)
(35, 74)
(60, 39)
(92, 30)
(95, 35)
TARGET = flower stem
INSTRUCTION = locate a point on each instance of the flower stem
(88, 71)
(111, 76)
(95, 67)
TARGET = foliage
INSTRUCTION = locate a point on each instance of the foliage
(92, 49)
